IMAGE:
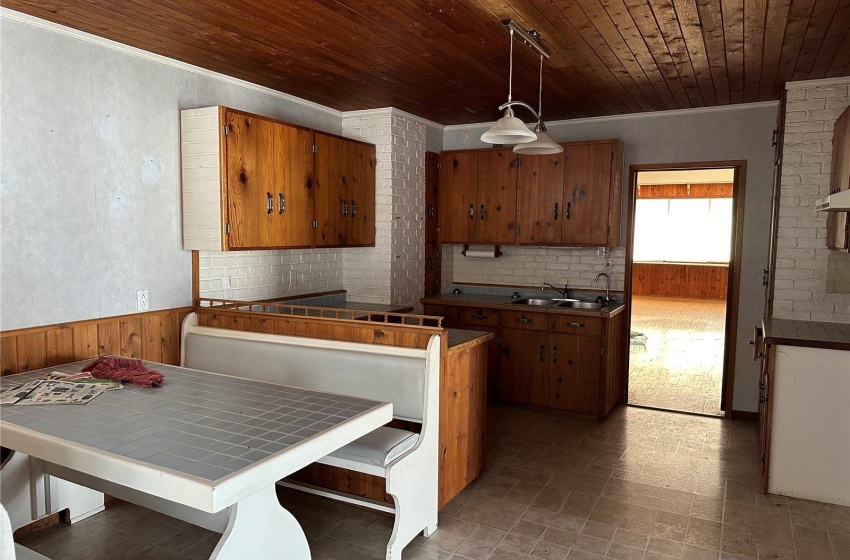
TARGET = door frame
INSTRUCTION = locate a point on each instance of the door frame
(734, 276)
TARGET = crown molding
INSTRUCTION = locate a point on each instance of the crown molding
(842, 80)
(390, 111)
(6, 13)
(637, 116)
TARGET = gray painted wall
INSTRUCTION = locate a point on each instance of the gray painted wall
(733, 133)
(90, 175)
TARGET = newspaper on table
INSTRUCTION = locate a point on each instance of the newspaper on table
(83, 377)
(43, 391)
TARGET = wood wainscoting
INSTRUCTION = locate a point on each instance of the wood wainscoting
(154, 336)
(680, 280)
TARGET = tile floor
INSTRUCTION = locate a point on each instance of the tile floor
(642, 484)
(680, 364)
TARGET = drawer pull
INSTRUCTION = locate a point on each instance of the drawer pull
(471, 212)
(576, 325)
(281, 203)
(482, 211)
(344, 208)
(353, 208)
(524, 320)
(479, 316)
(269, 203)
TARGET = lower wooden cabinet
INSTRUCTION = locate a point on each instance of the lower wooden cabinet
(572, 363)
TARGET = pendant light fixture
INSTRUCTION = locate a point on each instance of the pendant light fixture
(543, 144)
(511, 130)
(508, 129)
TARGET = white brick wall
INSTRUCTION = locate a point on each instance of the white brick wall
(270, 274)
(529, 266)
(811, 282)
(199, 146)
(393, 271)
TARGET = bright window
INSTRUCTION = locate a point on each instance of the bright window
(695, 230)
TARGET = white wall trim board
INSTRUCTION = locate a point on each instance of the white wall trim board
(388, 111)
(6, 13)
(630, 116)
(841, 80)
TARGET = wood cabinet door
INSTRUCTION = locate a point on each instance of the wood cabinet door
(292, 189)
(329, 190)
(495, 205)
(250, 180)
(574, 371)
(587, 193)
(523, 366)
(432, 269)
(540, 191)
(432, 190)
(360, 182)
(458, 187)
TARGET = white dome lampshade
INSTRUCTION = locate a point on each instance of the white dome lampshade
(543, 145)
(508, 130)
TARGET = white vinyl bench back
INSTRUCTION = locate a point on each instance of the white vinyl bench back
(377, 372)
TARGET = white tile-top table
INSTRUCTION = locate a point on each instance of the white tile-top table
(204, 440)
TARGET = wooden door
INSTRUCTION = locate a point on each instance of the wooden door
(249, 177)
(540, 199)
(458, 187)
(587, 193)
(432, 269)
(523, 366)
(329, 190)
(432, 189)
(574, 371)
(360, 180)
(292, 188)
(495, 208)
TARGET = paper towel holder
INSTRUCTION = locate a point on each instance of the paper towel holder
(496, 251)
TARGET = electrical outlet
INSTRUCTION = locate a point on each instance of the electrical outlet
(142, 301)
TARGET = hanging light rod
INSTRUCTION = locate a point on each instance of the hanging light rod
(530, 37)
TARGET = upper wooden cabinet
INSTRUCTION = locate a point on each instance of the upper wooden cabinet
(496, 196)
(250, 182)
(344, 192)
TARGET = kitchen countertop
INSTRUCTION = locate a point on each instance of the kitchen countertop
(462, 337)
(505, 302)
(813, 334)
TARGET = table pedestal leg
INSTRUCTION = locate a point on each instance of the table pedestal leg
(260, 529)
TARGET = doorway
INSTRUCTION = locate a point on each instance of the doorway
(682, 275)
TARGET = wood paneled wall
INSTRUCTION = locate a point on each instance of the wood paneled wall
(153, 336)
(692, 190)
(680, 280)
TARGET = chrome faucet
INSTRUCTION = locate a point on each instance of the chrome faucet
(565, 292)
(607, 285)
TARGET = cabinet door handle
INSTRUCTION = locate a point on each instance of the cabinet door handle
(524, 320)
(269, 203)
(344, 208)
(471, 211)
(576, 325)
(430, 210)
(569, 205)
(353, 208)
(542, 352)
(554, 354)
(479, 316)
(281, 203)
(482, 211)
(556, 211)
(431, 263)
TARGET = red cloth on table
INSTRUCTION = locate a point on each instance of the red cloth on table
(117, 368)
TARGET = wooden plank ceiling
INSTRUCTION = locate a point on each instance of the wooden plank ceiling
(447, 60)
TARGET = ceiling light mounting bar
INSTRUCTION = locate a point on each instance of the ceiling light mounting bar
(529, 37)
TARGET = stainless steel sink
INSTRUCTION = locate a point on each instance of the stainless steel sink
(582, 305)
(535, 302)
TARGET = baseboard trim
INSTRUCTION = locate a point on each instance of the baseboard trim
(43, 523)
(745, 416)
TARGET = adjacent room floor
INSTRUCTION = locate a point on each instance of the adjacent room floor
(642, 484)
(676, 353)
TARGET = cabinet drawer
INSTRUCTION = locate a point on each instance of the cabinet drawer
(522, 320)
(449, 313)
(478, 316)
(575, 324)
